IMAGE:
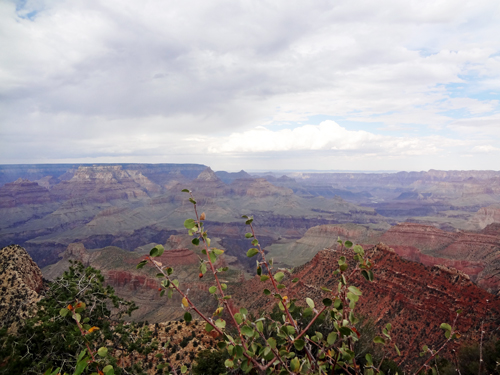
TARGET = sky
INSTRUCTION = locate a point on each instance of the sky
(254, 85)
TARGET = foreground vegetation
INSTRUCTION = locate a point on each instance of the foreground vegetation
(77, 328)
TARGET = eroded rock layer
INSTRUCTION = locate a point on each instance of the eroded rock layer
(414, 298)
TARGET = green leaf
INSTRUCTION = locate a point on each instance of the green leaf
(325, 289)
(186, 191)
(255, 242)
(189, 223)
(212, 289)
(183, 369)
(238, 318)
(223, 286)
(81, 355)
(251, 252)
(203, 268)
(208, 327)
(192, 200)
(103, 352)
(327, 302)
(195, 241)
(264, 278)
(156, 251)
(299, 344)
(81, 366)
(218, 251)
(445, 326)
(247, 331)
(220, 323)
(378, 340)
(281, 286)
(248, 235)
(77, 317)
(229, 363)
(295, 280)
(294, 364)
(272, 342)
(187, 317)
(63, 312)
(108, 370)
(279, 276)
(141, 264)
(348, 244)
(259, 326)
(332, 337)
(397, 350)
(267, 292)
(310, 302)
(355, 290)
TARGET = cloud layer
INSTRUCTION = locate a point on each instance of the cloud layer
(198, 81)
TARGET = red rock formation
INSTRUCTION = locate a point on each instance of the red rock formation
(414, 298)
(423, 237)
(476, 254)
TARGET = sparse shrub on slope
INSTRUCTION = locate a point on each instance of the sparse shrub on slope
(52, 338)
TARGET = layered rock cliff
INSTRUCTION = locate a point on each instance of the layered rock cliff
(476, 254)
(414, 298)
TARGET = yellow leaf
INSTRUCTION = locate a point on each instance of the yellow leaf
(185, 302)
(93, 329)
(159, 264)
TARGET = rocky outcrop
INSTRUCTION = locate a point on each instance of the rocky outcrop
(105, 183)
(21, 282)
(414, 298)
(476, 254)
(423, 237)
(485, 216)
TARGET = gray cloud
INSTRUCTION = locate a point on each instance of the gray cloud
(118, 79)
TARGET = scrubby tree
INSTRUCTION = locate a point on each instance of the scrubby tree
(77, 314)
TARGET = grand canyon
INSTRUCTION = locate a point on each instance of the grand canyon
(435, 236)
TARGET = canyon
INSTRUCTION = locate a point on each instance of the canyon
(432, 217)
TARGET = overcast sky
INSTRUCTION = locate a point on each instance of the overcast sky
(327, 85)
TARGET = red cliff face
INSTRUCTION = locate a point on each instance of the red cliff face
(414, 298)
(476, 254)
(423, 237)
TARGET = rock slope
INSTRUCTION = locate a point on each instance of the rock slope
(21, 282)
(414, 298)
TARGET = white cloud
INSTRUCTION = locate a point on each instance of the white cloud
(84, 73)
(327, 136)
